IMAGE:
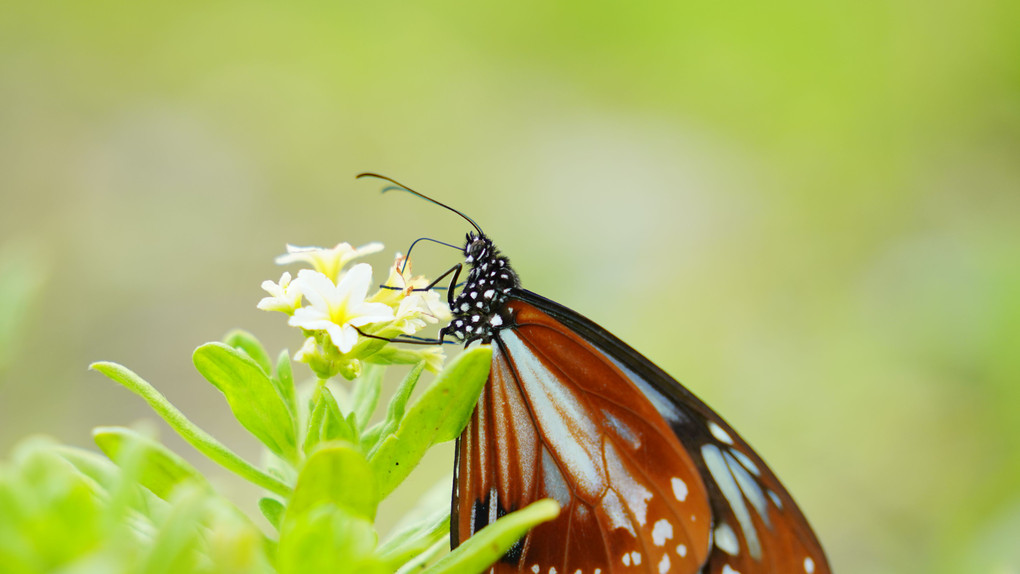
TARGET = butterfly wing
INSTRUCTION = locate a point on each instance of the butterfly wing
(649, 478)
(555, 422)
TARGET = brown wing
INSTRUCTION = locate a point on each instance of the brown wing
(558, 420)
(649, 478)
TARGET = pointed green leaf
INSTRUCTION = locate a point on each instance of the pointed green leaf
(272, 509)
(198, 438)
(335, 426)
(245, 341)
(160, 470)
(252, 396)
(336, 473)
(488, 545)
(325, 422)
(439, 415)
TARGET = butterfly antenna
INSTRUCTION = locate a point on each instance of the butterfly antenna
(408, 256)
(403, 187)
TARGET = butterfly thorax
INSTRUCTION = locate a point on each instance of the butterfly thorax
(479, 311)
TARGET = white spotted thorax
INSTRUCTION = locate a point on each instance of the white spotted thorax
(479, 311)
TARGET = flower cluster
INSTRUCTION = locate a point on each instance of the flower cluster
(343, 325)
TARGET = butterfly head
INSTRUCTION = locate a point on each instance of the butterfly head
(479, 311)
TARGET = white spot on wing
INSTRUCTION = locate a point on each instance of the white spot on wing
(750, 487)
(720, 472)
(626, 559)
(726, 540)
(809, 565)
(681, 550)
(718, 432)
(635, 557)
(679, 489)
(661, 532)
(747, 462)
(664, 564)
(727, 569)
(776, 500)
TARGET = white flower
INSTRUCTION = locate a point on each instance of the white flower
(399, 284)
(285, 297)
(419, 308)
(338, 308)
(308, 351)
(329, 262)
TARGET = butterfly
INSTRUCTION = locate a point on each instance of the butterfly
(648, 477)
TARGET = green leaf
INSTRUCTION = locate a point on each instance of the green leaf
(198, 438)
(335, 426)
(173, 550)
(327, 539)
(395, 411)
(244, 341)
(414, 540)
(326, 423)
(367, 389)
(252, 396)
(93, 465)
(419, 562)
(49, 515)
(488, 545)
(124, 502)
(273, 510)
(336, 473)
(160, 470)
(284, 381)
(439, 415)
(313, 434)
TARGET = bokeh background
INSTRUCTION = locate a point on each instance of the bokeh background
(806, 211)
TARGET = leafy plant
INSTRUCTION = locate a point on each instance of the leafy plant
(329, 459)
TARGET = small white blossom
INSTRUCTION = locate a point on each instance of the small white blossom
(419, 308)
(307, 351)
(284, 296)
(329, 262)
(338, 308)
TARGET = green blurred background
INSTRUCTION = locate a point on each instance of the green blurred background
(808, 212)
